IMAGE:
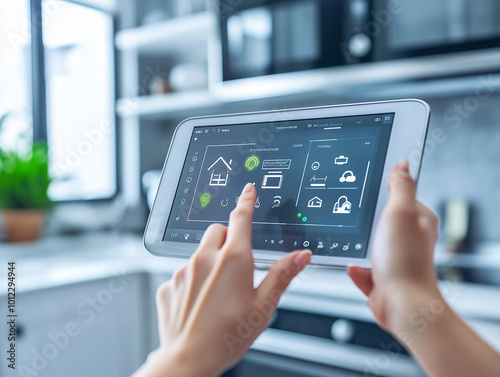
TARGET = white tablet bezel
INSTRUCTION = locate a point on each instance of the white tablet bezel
(406, 142)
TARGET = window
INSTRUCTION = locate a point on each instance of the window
(15, 69)
(80, 94)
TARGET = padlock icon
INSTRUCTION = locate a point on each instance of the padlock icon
(342, 206)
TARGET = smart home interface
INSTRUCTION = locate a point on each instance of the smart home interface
(317, 182)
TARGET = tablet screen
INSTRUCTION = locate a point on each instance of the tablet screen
(317, 182)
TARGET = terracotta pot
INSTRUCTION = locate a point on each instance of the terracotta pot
(23, 225)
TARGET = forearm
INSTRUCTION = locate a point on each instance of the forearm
(442, 343)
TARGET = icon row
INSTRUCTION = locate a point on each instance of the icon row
(341, 206)
(269, 241)
(186, 236)
(221, 168)
(319, 181)
(340, 160)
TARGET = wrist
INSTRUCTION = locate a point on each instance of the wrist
(411, 308)
(173, 363)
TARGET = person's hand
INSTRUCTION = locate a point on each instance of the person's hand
(402, 253)
(209, 313)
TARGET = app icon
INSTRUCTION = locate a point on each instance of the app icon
(315, 202)
(343, 206)
(306, 244)
(315, 165)
(224, 202)
(257, 203)
(346, 247)
(358, 246)
(341, 160)
(204, 200)
(272, 181)
(348, 177)
(320, 245)
(220, 172)
(186, 236)
(276, 202)
(318, 181)
(335, 245)
(252, 162)
(282, 164)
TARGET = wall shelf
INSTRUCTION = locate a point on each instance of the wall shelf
(168, 104)
(181, 36)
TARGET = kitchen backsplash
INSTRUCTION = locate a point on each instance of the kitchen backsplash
(462, 160)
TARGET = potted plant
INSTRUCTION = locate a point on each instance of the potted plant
(24, 184)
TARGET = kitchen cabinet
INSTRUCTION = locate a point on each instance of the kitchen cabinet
(86, 329)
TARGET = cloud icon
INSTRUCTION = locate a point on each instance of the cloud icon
(348, 177)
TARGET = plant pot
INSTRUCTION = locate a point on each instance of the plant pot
(23, 225)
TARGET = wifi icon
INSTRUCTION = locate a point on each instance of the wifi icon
(276, 201)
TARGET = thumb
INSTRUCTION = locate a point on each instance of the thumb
(282, 273)
(362, 278)
(402, 186)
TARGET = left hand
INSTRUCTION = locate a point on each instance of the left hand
(209, 313)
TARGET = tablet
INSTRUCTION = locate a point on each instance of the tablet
(320, 173)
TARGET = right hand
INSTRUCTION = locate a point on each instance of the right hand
(402, 253)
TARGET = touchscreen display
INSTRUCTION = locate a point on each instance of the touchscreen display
(317, 182)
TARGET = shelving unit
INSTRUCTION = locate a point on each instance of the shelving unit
(181, 37)
(164, 105)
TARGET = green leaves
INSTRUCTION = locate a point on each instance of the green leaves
(24, 179)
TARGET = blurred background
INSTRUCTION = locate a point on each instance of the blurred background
(91, 93)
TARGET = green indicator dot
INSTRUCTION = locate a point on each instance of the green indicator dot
(252, 163)
(204, 200)
(299, 214)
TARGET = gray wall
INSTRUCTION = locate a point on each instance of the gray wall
(464, 162)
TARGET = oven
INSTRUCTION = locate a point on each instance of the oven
(309, 337)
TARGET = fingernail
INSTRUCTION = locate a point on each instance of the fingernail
(247, 188)
(403, 167)
(302, 259)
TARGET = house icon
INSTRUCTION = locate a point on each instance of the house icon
(315, 202)
(219, 172)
